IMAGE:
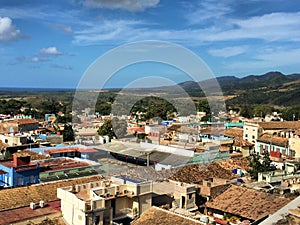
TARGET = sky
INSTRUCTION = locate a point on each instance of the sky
(51, 44)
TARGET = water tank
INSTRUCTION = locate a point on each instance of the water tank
(240, 180)
(234, 170)
(32, 205)
(42, 204)
(204, 219)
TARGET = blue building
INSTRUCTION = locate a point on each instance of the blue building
(19, 171)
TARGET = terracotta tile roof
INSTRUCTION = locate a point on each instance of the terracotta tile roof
(26, 213)
(21, 154)
(55, 221)
(212, 131)
(221, 169)
(182, 128)
(274, 140)
(247, 203)
(58, 164)
(34, 155)
(137, 129)
(159, 216)
(240, 142)
(61, 150)
(26, 121)
(280, 125)
(174, 127)
(234, 132)
(22, 196)
(71, 149)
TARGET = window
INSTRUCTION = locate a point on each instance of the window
(20, 181)
(32, 179)
(261, 150)
(246, 135)
(292, 153)
(253, 137)
(284, 152)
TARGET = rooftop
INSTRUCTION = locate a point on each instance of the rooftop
(48, 221)
(136, 150)
(283, 215)
(159, 216)
(234, 132)
(26, 121)
(26, 213)
(213, 131)
(247, 203)
(221, 169)
(182, 128)
(69, 149)
(240, 142)
(23, 196)
(61, 163)
(33, 155)
(290, 125)
(274, 140)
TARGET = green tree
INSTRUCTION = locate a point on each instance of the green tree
(266, 163)
(255, 165)
(258, 166)
(68, 133)
(292, 113)
(113, 128)
(106, 129)
(246, 111)
(7, 155)
(262, 110)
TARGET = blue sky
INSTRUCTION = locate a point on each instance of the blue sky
(52, 43)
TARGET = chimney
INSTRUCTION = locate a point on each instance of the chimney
(20, 160)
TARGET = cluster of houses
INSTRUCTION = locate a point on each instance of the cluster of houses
(46, 176)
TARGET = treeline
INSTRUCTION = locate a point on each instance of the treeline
(249, 111)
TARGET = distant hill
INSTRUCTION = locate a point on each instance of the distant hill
(271, 88)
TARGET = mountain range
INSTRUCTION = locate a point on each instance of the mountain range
(274, 88)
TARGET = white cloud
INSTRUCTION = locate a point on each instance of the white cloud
(44, 55)
(108, 30)
(275, 59)
(269, 27)
(130, 5)
(50, 51)
(8, 31)
(209, 9)
(64, 67)
(65, 28)
(228, 51)
(33, 59)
